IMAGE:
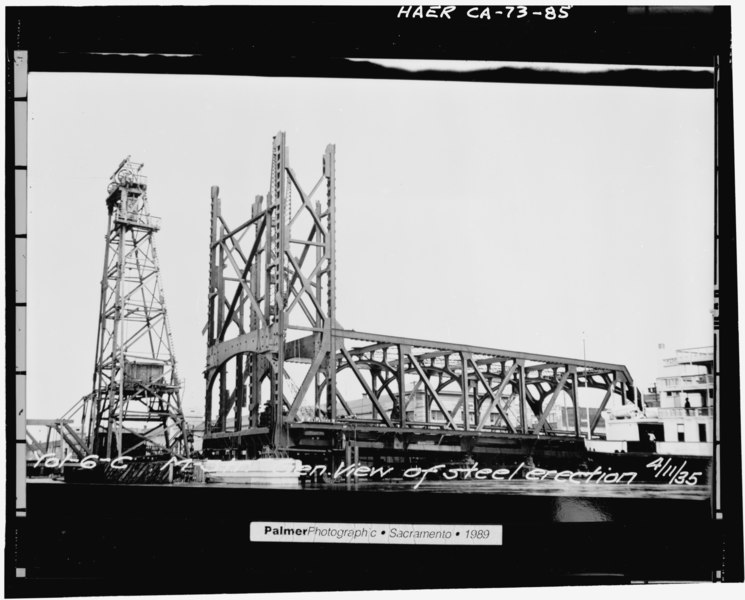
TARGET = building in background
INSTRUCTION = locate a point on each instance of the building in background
(678, 414)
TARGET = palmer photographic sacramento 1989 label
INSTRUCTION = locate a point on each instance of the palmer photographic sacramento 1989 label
(376, 533)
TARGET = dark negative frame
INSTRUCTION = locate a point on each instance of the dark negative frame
(245, 41)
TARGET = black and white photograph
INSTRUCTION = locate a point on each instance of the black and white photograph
(297, 312)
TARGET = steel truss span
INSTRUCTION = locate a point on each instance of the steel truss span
(283, 375)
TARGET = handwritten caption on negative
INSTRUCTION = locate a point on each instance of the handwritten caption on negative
(668, 470)
(549, 13)
(673, 472)
(376, 533)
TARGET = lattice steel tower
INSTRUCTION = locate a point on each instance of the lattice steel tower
(135, 406)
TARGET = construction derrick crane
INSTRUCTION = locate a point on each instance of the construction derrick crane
(282, 373)
(135, 405)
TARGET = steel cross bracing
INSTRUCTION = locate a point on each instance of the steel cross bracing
(282, 374)
(135, 405)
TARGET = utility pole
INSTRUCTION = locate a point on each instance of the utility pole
(587, 405)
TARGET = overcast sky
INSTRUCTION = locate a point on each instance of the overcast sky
(514, 216)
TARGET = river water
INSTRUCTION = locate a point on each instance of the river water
(506, 488)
